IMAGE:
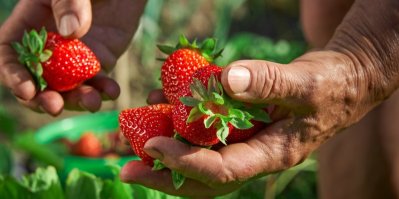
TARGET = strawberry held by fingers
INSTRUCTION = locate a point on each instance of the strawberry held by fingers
(207, 116)
(138, 125)
(181, 63)
(55, 62)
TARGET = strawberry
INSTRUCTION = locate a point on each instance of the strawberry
(240, 135)
(181, 63)
(140, 124)
(206, 116)
(88, 145)
(58, 63)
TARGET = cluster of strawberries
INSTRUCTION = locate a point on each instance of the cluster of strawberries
(199, 112)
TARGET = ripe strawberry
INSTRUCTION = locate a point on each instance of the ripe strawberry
(206, 116)
(181, 63)
(55, 62)
(140, 124)
(240, 135)
(88, 145)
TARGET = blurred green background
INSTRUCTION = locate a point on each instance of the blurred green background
(246, 29)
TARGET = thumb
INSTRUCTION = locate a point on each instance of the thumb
(72, 17)
(259, 81)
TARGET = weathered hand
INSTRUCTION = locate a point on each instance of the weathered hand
(317, 95)
(307, 114)
(109, 24)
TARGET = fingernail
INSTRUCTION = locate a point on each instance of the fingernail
(154, 153)
(68, 24)
(239, 79)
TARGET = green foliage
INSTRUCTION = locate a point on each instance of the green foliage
(5, 8)
(252, 46)
(8, 124)
(5, 159)
(27, 143)
(44, 183)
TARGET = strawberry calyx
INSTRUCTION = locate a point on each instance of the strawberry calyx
(32, 53)
(207, 48)
(219, 110)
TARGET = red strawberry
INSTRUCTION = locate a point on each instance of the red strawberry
(206, 116)
(181, 63)
(88, 145)
(240, 135)
(140, 124)
(55, 62)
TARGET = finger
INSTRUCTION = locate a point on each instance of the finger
(83, 98)
(156, 97)
(275, 148)
(15, 76)
(139, 173)
(192, 162)
(72, 17)
(48, 101)
(107, 87)
(264, 82)
(26, 15)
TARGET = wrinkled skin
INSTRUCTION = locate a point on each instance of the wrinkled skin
(318, 95)
(368, 149)
(107, 37)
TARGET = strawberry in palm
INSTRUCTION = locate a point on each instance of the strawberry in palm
(181, 63)
(55, 62)
(206, 116)
(138, 125)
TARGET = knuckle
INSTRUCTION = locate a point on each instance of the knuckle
(265, 81)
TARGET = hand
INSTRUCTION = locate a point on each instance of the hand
(108, 25)
(307, 114)
(316, 96)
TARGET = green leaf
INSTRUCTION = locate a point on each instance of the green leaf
(43, 34)
(44, 183)
(260, 115)
(25, 39)
(222, 134)
(190, 101)
(177, 136)
(183, 41)
(81, 184)
(217, 98)
(18, 47)
(39, 70)
(212, 85)
(241, 124)
(45, 55)
(42, 84)
(236, 113)
(158, 165)
(178, 179)
(204, 110)
(194, 115)
(166, 49)
(116, 188)
(209, 121)
(208, 45)
(198, 90)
